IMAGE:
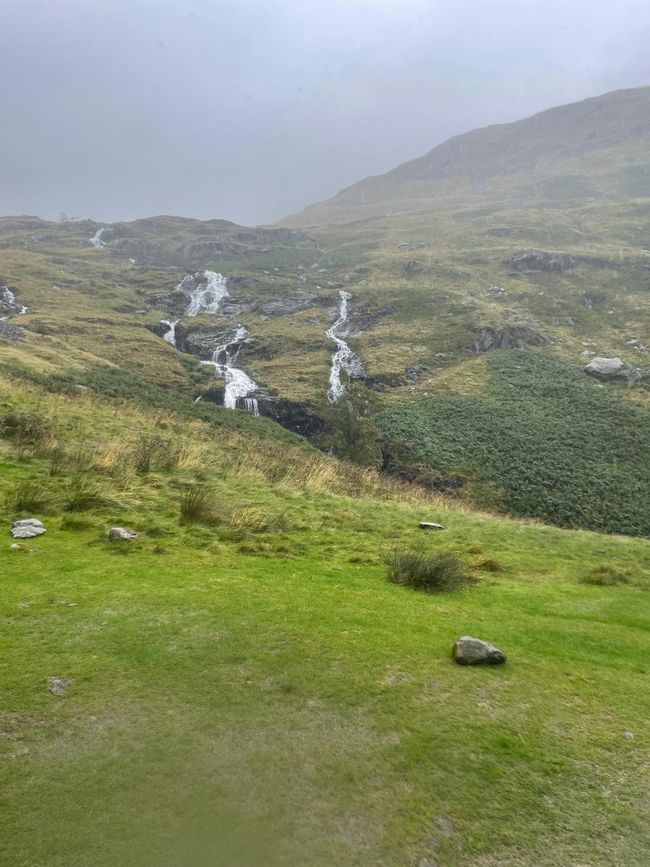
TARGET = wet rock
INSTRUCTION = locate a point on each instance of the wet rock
(496, 292)
(57, 685)
(430, 525)
(474, 651)
(538, 260)
(288, 305)
(412, 266)
(27, 528)
(121, 534)
(292, 416)
(610, 369)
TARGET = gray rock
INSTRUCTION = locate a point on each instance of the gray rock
(27, 528)
(414, 372)
(429, 525)
(121, 534)
(285, 306)
(16, 547)
(57, 685)
(539, 260)
(609, 369)
(474, 651)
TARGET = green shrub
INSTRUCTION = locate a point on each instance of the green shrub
(442, 572)
(198, 505)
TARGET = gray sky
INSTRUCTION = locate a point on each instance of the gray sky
(251, 109)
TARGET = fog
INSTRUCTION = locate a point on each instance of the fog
(251, 109)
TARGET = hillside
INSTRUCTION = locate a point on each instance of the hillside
(589, 150)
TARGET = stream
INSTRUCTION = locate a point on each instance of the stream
(343, 360)
(206, 297)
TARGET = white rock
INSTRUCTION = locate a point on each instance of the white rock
(27, 528)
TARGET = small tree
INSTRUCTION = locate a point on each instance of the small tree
(351, 432)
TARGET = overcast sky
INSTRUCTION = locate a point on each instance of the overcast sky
(252, 109)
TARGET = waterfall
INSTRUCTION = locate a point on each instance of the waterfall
(206, 292)
(96, 239)
(238, 384)
(207, 296)
(343, 359)
(170, 336)
(8, 298)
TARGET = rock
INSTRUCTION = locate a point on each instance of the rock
(427, 862)
(629, 736)
(27, 528)
(496, 292)
(445, 825)
(473, 651)
(16, 547)
(11, 333)
(285, 306)
(537, 260)
(429, 525)
(608, 369)
(121, 534)
(412, 266)
(57, 685)
(414, 372)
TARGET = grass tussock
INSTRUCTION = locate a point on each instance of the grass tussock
(606, 576)
(28, 496)
(442, 572)
(198, 505)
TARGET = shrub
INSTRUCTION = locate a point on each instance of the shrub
(198, 505)
(145, 451)
(28, 496)
(431, 573)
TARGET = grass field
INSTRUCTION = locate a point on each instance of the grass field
(250, 689)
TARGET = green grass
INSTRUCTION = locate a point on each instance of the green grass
(256, 692)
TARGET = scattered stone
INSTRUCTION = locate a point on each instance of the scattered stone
(445, 825)
(474, 651)
(121, 534)
(11, 333)
(629, 736)
(496, 292)
(57, 685)
(16, 547)
(430, 525)
(609, 369)
(537, 260)
(427, 862)
(27, 528)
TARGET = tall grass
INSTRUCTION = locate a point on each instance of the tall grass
(442, 572)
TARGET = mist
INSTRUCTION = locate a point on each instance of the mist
(250, 110)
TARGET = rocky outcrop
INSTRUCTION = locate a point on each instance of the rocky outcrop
(611, 369)
(287, 305)
(538, 260)
(11, 333)
(414, 372)
(474, 651)
(292, 416)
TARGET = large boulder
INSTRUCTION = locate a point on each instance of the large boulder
(608, 369)
(474, 651)
(27, 528)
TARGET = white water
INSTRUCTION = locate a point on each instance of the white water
(207, 298)
(238, 384)
(9, 298)
(170, 336)
(96, 239)
(343, 360)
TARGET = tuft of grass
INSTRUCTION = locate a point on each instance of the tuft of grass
(198, 505)
(82, 495)
(487, 564)
(29, 496)
(442, 572)
(26, 429)
(606, 576)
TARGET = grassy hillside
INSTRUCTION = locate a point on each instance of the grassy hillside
(247, 687)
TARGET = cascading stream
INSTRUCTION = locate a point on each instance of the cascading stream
(343, 360)
(206, 297)
(96, 239)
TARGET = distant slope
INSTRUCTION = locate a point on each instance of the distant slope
(583, 150)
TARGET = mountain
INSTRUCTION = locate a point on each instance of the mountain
(587, 150)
